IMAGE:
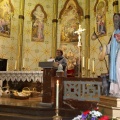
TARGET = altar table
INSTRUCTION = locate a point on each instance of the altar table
(22, 76)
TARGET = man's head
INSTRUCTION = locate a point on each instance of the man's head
(59, 52)
(116, 20)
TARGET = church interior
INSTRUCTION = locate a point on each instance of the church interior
(31, 31)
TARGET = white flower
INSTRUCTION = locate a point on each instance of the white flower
(95, 113)
(78, 117)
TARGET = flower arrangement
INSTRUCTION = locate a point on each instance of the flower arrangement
(91, 115)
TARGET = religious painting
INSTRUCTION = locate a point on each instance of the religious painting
(70, 18)
(101, 9)
(38, 17)
(6, 10)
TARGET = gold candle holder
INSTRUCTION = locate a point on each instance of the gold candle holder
(23, 69)
(83, 71)
(93, 74)
(88, 73)
(57, 117)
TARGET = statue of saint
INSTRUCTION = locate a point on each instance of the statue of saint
(113, 50)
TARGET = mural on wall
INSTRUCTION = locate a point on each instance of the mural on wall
(101, 9)
(38, 17)
(6, 10)
(70, 17)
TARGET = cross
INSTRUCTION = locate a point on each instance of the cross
(79, 31)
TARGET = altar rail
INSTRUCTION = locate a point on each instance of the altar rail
(78, 92)
(22, 76)
(82, 90)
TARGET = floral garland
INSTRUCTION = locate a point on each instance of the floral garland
(91, 115)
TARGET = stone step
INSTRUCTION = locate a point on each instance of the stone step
(27, 110)
(12, 116)
(37, 111)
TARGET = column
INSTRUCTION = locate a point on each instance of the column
(87, 36)
(115, 6)
(54, 28)
(20, 35)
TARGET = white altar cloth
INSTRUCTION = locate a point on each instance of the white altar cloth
(22, 76)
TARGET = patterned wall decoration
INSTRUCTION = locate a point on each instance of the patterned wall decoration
(100, 66)
(33, 52)
(8, 45)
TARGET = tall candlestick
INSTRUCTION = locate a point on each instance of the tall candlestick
(88, 63)
(15, 64)
(93, 66)
(57, 94)
(83, 61)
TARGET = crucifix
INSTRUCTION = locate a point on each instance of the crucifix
(79, 31)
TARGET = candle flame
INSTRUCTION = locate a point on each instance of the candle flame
(57, 81)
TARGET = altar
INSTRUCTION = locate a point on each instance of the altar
(19, 79)
(22, 76)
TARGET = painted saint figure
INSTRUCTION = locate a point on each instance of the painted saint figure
(38, 25)
(101, 25)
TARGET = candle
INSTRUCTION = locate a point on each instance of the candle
(23, 63)
(93, 66)
(79, 27)
(15, 64)
(83, 62)
(88, 63)
(7, 66)
(57, 94)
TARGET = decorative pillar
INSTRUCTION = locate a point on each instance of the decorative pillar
(20, 35)
(115, 6)
(54, 28)
(87, 36)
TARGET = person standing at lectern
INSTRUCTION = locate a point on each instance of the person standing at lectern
(60, 59)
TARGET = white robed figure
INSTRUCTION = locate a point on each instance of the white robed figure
(114, 72)
(113, 49)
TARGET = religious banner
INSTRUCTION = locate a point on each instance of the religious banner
(38, 16)
(100, 9)
(70, 17)
(6, 10)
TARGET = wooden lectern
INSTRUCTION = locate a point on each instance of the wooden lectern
(49, 71)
